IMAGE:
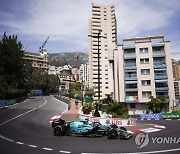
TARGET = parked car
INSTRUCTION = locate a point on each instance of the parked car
(84, 128)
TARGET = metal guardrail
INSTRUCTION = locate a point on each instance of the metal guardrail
(5, 103)
(65, 100)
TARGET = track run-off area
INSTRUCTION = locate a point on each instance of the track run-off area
(25, 128)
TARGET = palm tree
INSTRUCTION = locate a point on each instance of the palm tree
(156, 104)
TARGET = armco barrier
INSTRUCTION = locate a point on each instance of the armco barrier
(10, 102)
(5, 103)
(65, 100)
(171, 115)
(155, 116)
(2, 103)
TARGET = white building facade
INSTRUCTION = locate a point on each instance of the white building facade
(84, 73)
(102, 24)
(143, 68)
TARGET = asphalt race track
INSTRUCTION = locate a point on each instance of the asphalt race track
(25, 129)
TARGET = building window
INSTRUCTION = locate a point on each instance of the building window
(145, 71)
(146, 94)
(106, 87)
(144, 61)
(143, 50)
(146, 82)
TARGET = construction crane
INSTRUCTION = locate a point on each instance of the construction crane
(42, 50)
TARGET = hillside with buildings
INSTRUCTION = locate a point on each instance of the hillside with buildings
(57, 59)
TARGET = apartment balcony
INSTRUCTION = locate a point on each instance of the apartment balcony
(129, 56)
(131, 78)
(131, 81)
(159, 54)
(130, 66)
(132, 46)
(131, 89)
(96, 23)
(131, 99)
(159, 64)
(165, 88)
(158, 44)
(160, 76)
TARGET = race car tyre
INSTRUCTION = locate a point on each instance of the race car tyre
(114, 126)
(112, 134)
(59, 131)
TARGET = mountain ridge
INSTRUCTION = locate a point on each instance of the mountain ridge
(64, 58)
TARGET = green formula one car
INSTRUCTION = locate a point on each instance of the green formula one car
(84, 128)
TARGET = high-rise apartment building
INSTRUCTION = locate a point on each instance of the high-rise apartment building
(143, 68)
(84, 74)
(177, 92)
(102, 39)
(176, 70)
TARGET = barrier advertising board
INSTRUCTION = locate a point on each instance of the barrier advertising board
(2, 103)
(171, 115)
(155, 116)
(118, 122)
(36, 92)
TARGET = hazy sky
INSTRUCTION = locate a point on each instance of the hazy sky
(66, 22)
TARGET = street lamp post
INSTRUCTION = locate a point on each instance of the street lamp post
(98, 36)
(82, 88)
(99, 67)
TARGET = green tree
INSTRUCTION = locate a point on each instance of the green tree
(108, 99)
(12, 67)
(11, 61)
(116, 109)
(89, 92)
(37, 79)
(156, 104)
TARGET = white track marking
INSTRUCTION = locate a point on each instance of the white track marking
(33, 146)
(7, 139)
(64, 151)
(48, 149)
(23, 113)
(150, 130)
(20, 143)
(160, 127)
